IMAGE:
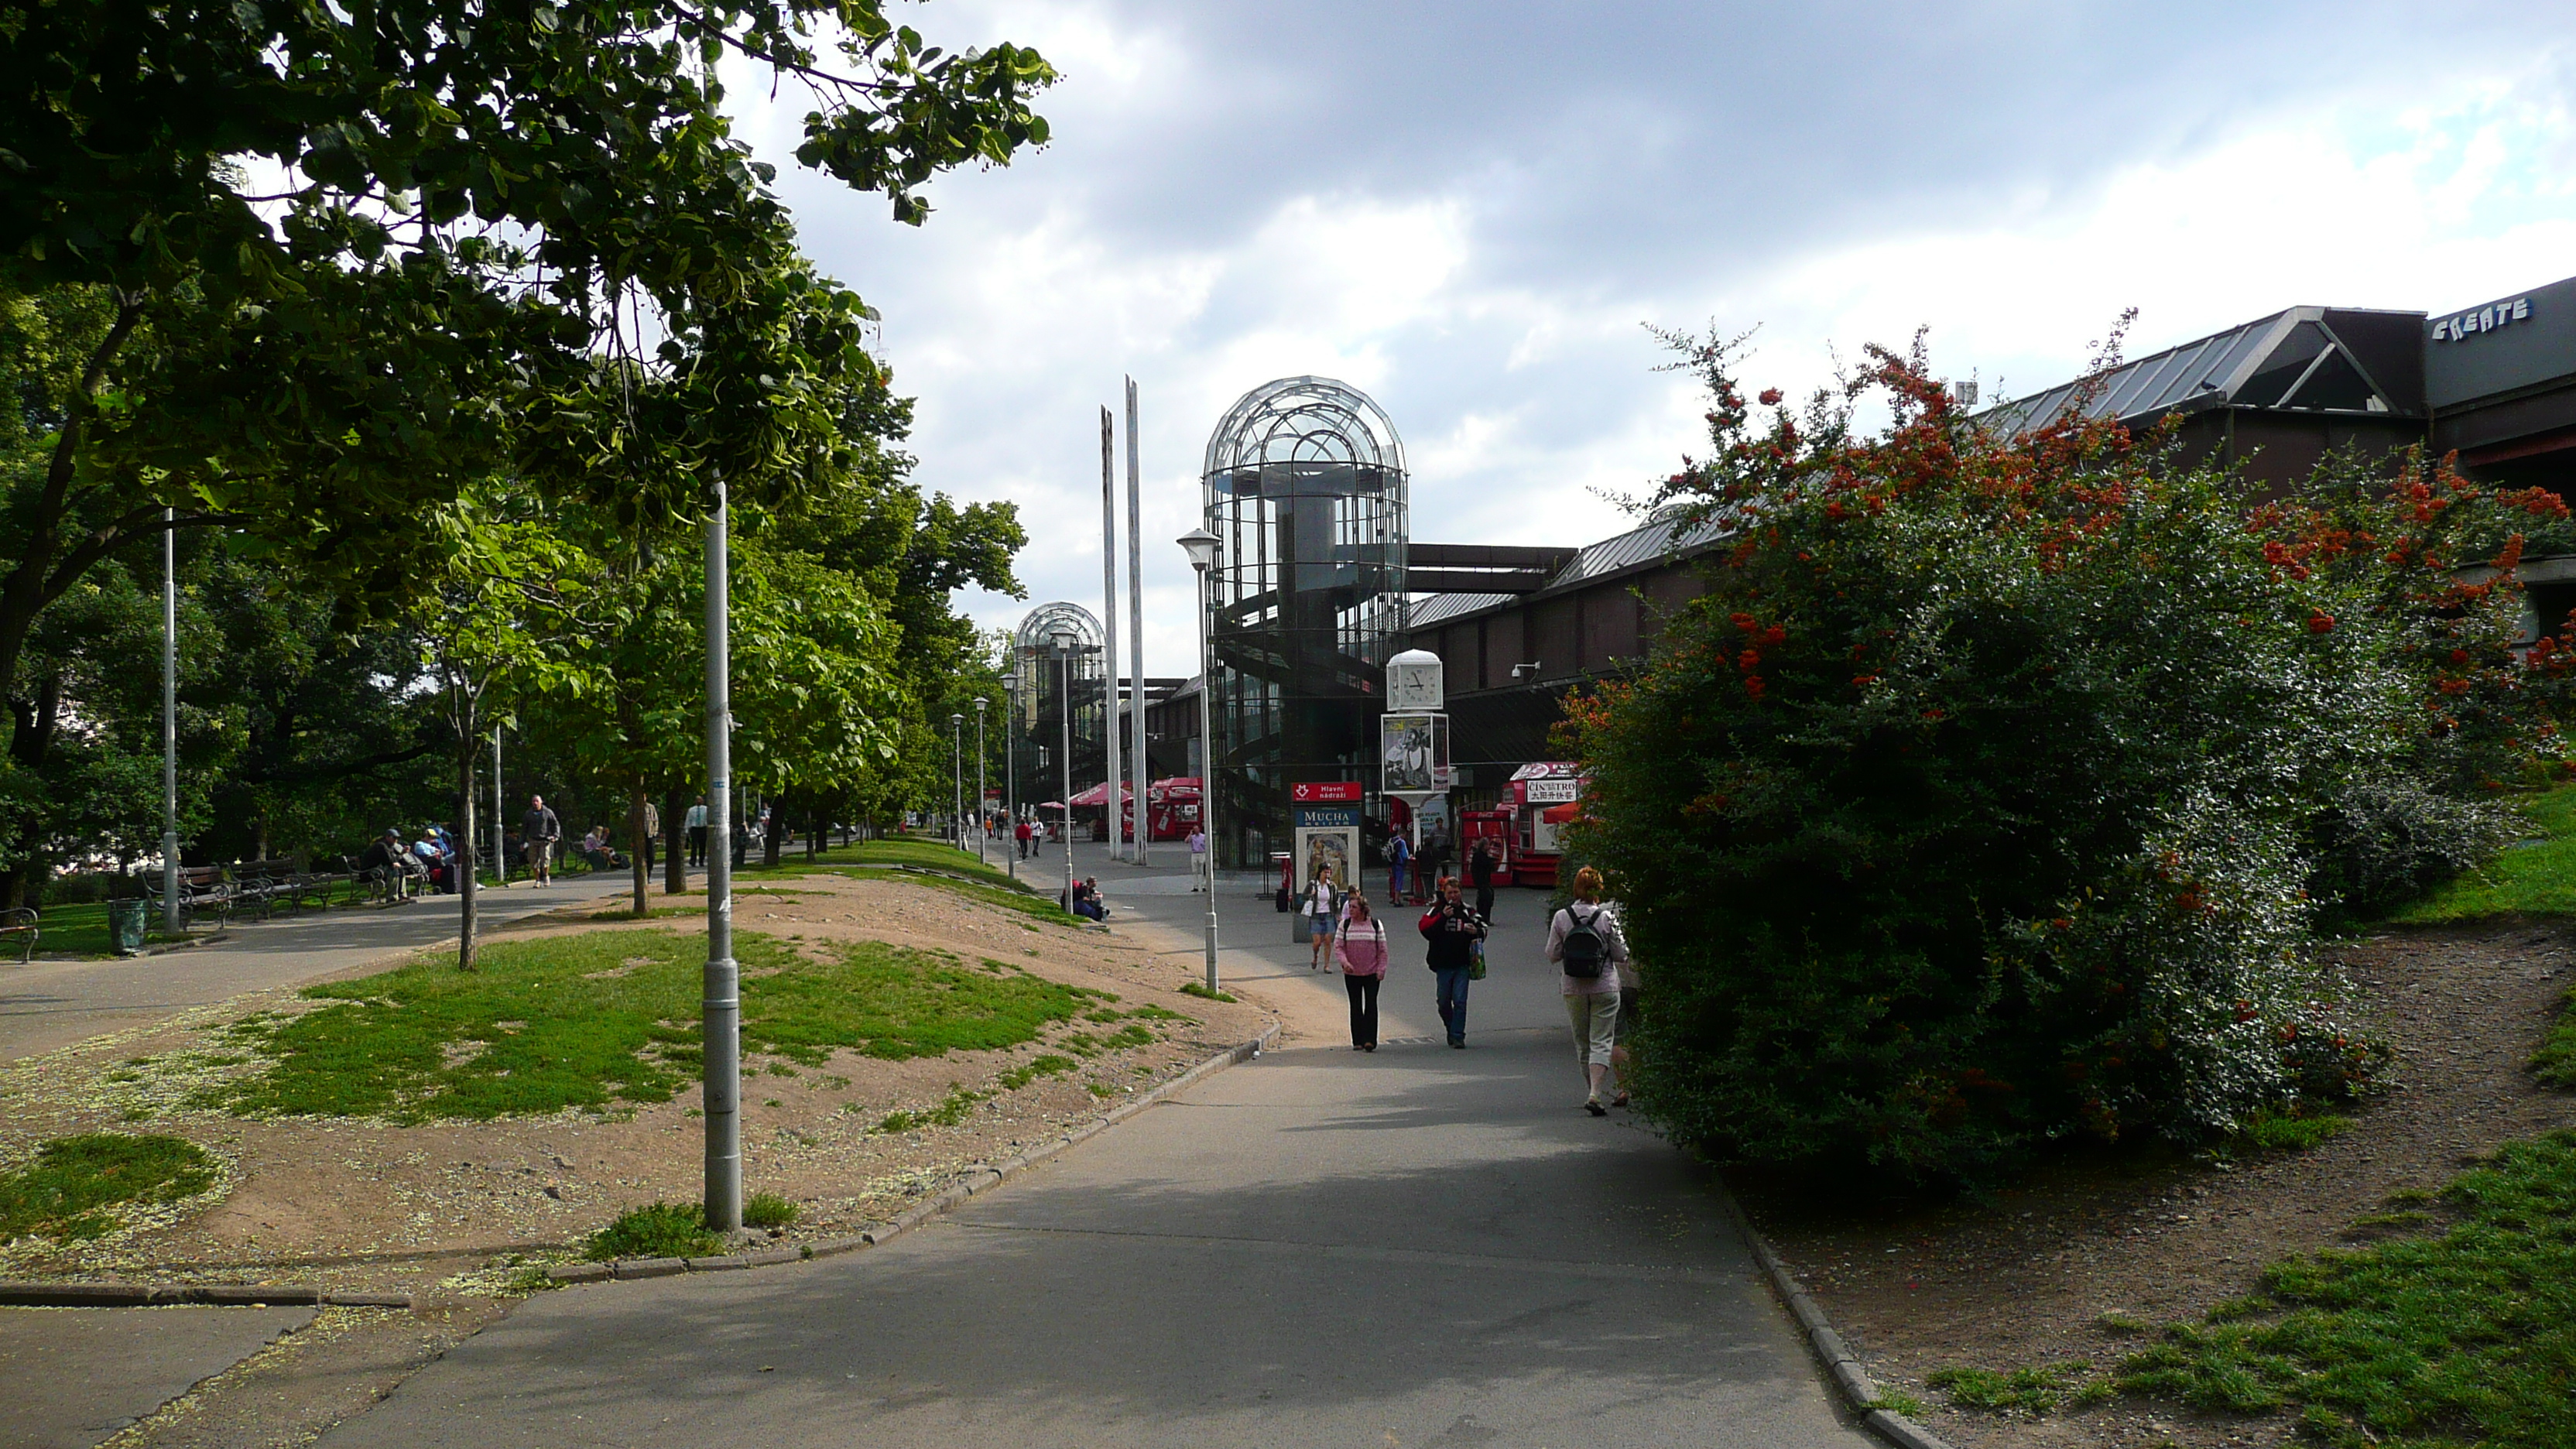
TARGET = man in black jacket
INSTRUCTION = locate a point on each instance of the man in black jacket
(1453, 928)
(538, 832)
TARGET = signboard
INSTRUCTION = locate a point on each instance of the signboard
(1414, 749)
(1327, 835)
(1326, 792)
(1552, 792)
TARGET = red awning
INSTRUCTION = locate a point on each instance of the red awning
(1096, 797)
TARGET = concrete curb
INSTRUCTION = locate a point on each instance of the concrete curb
(1859, 1390)
(977, 1179)
(156, 1295)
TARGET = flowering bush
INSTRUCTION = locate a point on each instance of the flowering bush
(1986, 796)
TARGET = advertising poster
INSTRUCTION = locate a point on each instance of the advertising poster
(1415, 751)
(1328, 835)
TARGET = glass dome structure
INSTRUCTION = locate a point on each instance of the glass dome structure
(1039, 714)
(1304, 486)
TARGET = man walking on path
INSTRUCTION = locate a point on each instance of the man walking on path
(1022, 834)
(538, 832)
(1198, 857)
(1398, 855)
(1453, 929)
(697, 823)
(1480, 874)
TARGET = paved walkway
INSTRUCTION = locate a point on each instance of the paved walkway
(1415, 1246)
(53, 1004)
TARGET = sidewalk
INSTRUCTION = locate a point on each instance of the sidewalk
(1318, 1247)
(53, 1004)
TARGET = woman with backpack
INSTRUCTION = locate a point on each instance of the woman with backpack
(1360, 950)
(1583, 940)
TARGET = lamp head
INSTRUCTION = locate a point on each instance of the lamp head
(980, 702)
(957, 719)
(1062, 639)
(1201, 546)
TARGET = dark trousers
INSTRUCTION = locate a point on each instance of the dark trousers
(1485, 900)
(697, 845)
(1453, 1001)
(1363, 990)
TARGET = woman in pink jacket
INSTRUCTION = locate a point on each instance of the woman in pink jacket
(1359, 948)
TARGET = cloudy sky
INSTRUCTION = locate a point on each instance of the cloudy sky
(1472, 212)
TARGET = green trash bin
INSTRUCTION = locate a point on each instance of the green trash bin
(125, 925)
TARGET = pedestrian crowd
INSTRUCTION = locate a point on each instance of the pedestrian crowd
(1597, 979)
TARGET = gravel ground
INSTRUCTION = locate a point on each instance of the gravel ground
(2161, 1235)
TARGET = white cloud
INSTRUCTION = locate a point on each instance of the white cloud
(1470, 213)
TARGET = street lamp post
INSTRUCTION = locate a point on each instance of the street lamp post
(956, 783)
(169, 722)
(1201, 546)
(1010, 770)
(1063, 641)
(720, 1008)
(980, 702)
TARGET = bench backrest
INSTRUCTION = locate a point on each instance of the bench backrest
(198, 877)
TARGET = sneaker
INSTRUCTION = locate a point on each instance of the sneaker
(1459, 1043)
(1593, 1106)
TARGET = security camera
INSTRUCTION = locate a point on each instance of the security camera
(1529, 670)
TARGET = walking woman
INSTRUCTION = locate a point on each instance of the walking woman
(1360, 950)
(1583, 940)
(1323, 914)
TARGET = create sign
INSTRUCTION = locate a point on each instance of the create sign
(1325, 792)
(2482, 319)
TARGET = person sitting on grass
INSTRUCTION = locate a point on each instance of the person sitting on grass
(1086, 900)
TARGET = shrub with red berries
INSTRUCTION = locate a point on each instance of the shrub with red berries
(1992, 793)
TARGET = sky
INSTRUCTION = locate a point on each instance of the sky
(1475, 214)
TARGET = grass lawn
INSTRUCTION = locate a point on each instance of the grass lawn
(1014, 898)
(2532, 877)
(611, 1016)
(2465, 1334)
(67, 1191)
(929, 854)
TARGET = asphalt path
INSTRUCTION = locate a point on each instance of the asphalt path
(51, 1004)
(1413, 1246)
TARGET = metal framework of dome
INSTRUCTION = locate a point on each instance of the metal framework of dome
(1308, 420)
(1305, 488)
(1039, 718)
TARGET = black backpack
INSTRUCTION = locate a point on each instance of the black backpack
(1583, 947)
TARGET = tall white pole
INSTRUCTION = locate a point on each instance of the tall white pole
(500, 830)
(1109, 629)
(1010, 767)
(720, 1019)
(979, 781)
(1064, 651)
(956, 785)
(169, 722)
(1207, 775)
(1140, 766)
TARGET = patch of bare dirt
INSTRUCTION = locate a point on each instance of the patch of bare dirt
(2158, 1235)
(359, 1204)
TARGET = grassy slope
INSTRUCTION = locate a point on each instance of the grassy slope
(611, 1016)
(2533, 877)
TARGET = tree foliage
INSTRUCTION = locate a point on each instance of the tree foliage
(1983, 799)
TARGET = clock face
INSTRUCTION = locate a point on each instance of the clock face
(1414, 687)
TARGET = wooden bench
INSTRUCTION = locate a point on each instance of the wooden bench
(202, 891)
(21, 924)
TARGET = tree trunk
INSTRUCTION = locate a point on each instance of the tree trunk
(462, 866)
(635, 841)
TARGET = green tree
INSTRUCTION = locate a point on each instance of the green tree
(320, 272)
